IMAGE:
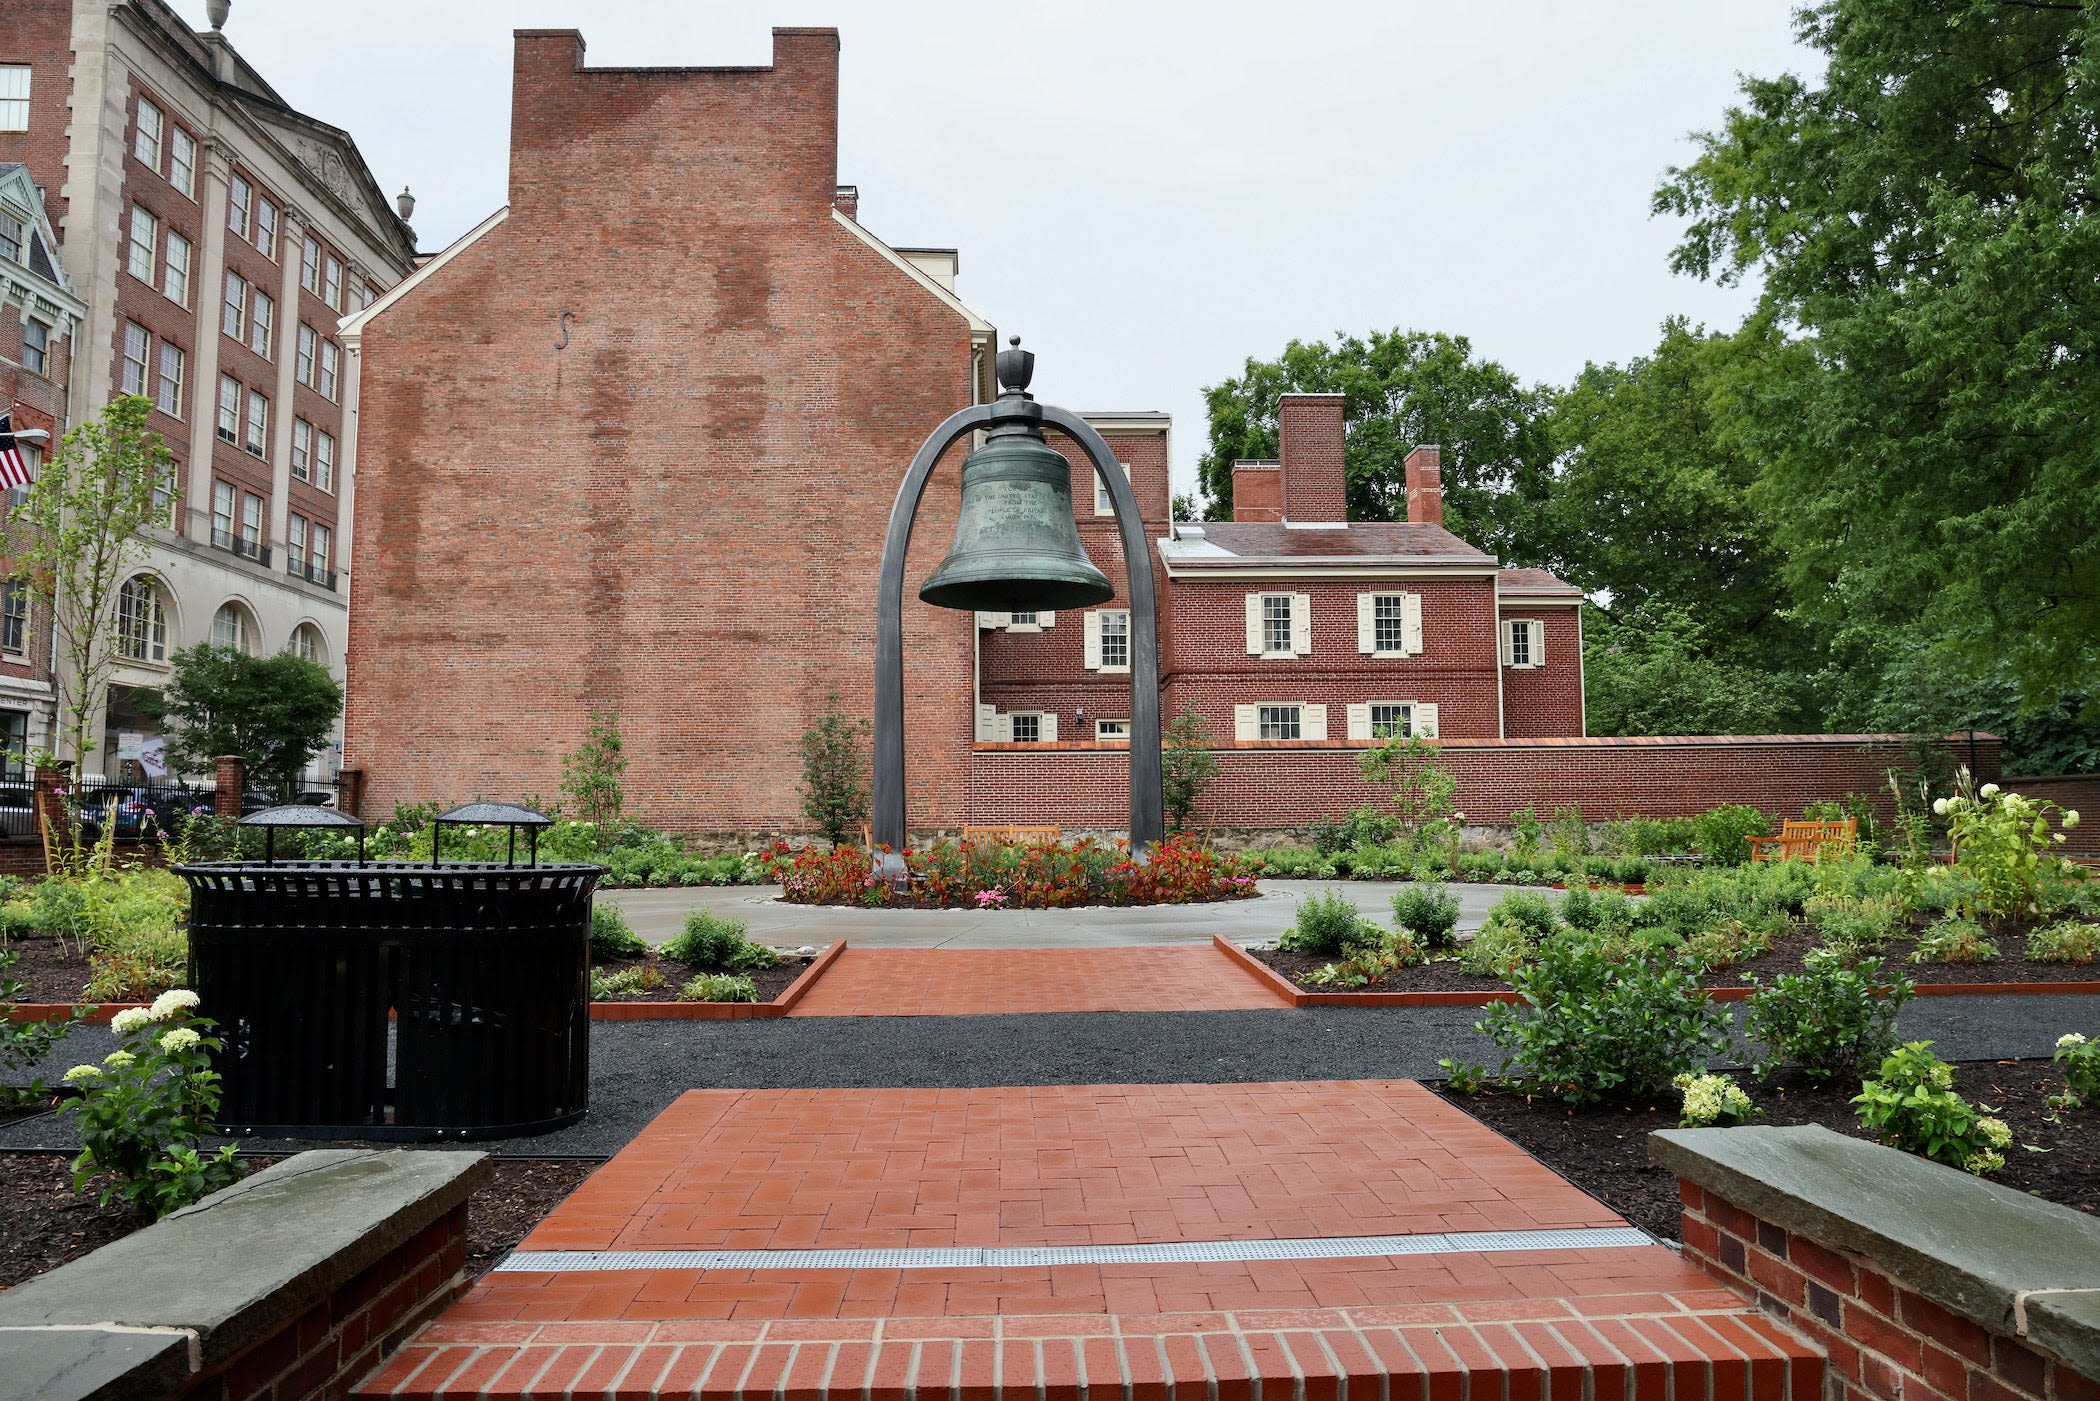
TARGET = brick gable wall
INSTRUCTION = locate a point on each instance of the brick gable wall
(1545, 701)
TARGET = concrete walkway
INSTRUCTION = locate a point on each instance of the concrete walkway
(658, 914)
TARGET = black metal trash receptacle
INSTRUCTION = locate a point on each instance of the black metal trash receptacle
(483, 969)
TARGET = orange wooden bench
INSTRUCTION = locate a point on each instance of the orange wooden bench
(1014, 836)
(1801, 840)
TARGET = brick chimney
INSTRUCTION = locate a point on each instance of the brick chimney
(1425, 485)
(1257, 491)
(1309, 440)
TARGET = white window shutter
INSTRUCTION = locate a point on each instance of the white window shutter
(1093, 641)
(1246, 722)
(1046, 727)
(1411, 623)
(993, 620)
(1046, 620)
(1360, 721)
(1423, 721)
(1003, 729)
(1509, 656)
(1301, 624)
(987, 723)
(1254, 624)
(1312, 722)
(1366, 623)
(1538, 642)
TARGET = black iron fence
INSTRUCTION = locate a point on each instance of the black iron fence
(141, 811)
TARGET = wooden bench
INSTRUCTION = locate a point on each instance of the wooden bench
(1013, 836)
(1800, 840)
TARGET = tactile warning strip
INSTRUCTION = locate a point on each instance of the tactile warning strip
(997, 1257)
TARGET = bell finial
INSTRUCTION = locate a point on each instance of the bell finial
(1016, 367)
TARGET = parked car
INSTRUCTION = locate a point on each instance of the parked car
(141, 814)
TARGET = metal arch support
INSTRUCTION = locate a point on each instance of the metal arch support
(886, 817)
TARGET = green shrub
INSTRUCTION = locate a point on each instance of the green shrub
(1597, 911)
(712, 941)
(645, 978)
(1712, 1101)
(1430, 913)
(1296, 863)
(1595, 1026)
(1858, 924)
(720, 987)
(1955, 941)
(1371, 960)
(1483, 867)
(2004, 843)
(2080, 1059)
(1912, 1105)
(611, 936)
(1722, 834)
(1724, 945)
(2064, 942)
(1376, 863)
(1510, 935)
(1830, 1019)
(1326, 923)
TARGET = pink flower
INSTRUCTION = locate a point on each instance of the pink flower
(990, 897)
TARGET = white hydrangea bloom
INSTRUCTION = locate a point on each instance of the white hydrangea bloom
(1939, 807)
(131, 1019)
(179, 1040)
(1989, 790)
(172, 1001)
(2071, 1038)
(117, 1060)
(2071, 817)
(81, 1074)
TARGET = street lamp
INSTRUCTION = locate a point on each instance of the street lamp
(1016, 548)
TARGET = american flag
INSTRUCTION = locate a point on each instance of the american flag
(14, 471)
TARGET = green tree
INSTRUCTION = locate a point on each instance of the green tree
(1400, 389)
(593, 774)
(835, 771)
(1654, 671)
(1421, 790)
(1186, 767)
(1925, 224)
(74, 540)
(275, 712)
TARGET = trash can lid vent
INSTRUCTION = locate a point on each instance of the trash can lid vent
(496, 815)
(300, 815)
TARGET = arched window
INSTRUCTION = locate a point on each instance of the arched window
(230, 628)
(142, 621)
(308, 646)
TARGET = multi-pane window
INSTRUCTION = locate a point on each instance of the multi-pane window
(251, 524)
(14, 616)
(240, 199)
(11, 237)
(136, 342)
(182, 162)
(310, 264)
(295, 542)
(371, 295)
(1027, 728)
(317, 552)
(1521, 642)
(266, 227)
(14, 97)
(1022, 620)
(306, 644)
(222, 515)
(1115, 637)
(262, 321)
(145, 238)
(14, 745)
(36, 346)
(1389, 622)
(256, 439)
(229, 627)
(331, 368)
(1276, 623)
(302, 450)
(1280, 721)
(236, 303)
(145, 142)
(164, 498)
(229, 408)
(168, 394)
(303, 360)
(142, 622)
(332, 282)
(1390, 721)
(324, 459)
(1111, 729)
(1104, 504)
(176, 279)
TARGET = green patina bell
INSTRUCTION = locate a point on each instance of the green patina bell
(1016, 543)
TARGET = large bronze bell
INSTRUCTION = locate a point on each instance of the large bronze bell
(1016, 543)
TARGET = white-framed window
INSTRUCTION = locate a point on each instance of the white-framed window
(240, 200)
(368, 296)
(146, 138)
(1112, 730)
(182, 162)
(1377, 721)
(1027, 727)
(145, 238)
(310, 264)
(1019, 727)
(168, 394)
(136, 345)
(222, 504)
(1389, 624)
(236, 304)
(331, 366)
(1108, 639)
(317, 551)
(332, 281)
(229, 409)
(1391, 719)
(36, 346)
(1022, 621)
(164, 497)
(1041, 620)
(142, 621)
(13, 236)
(266, 228)
(1523, 642)
(175, 279)
(1276, 625)
(303, 357)
(324, 460)
(229, 628)
(1279, 624)
(14, 616)
(1279, 720)
(262, 321)
(14, 97)
(302, 450)
(257, 437)
(1103, 504)
(295, 542)
(307, 645)
(251, 524)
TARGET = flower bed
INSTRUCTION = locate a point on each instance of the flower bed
(970, 875)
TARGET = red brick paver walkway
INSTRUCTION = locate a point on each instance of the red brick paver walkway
(1092, 1165)
(978, 982)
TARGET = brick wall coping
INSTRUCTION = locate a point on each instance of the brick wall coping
(191, 1291)
(1590, 742)
(2012, 1263)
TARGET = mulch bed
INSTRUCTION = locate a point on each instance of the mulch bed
(1604, 1150)
(44, 1223)
(1438, 975)
(50, 970)
(771, 982)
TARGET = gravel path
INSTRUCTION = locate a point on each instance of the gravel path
(639, 1067)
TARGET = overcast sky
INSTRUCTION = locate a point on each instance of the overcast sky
(1211, 180)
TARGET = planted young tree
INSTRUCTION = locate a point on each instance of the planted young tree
(1420, 790)
(1186, 767)
(835, 772)
(275, 712)
(594, 775)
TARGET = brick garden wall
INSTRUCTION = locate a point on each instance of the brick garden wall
(1289, 785)
(2080, 793)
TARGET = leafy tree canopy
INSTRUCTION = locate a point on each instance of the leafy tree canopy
(1657, 672)
(275, 712)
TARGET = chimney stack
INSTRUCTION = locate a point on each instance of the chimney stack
(1309, 439)
(1257, 491)
(1425, 485)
